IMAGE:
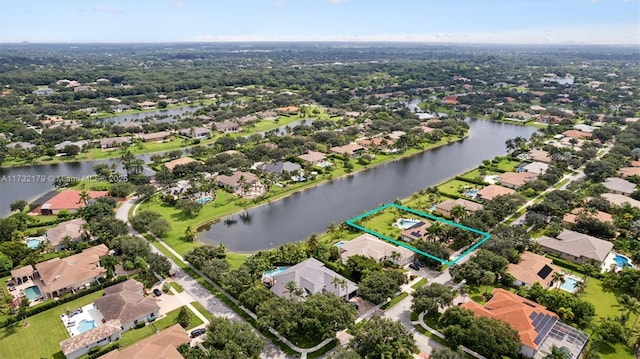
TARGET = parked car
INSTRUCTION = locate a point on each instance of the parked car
(157, 292)
(197, 332)
(418, 264)
(414, 267)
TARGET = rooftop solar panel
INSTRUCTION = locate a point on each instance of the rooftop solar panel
(545, 271)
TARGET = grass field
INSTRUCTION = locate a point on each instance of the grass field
(452, 188)
(507, 165)
(477, 174)
(41, 337)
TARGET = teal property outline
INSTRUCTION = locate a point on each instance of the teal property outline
(485, 235)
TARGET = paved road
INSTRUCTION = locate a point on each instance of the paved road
(202, 295)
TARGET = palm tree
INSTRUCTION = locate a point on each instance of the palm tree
(339, 282)
(189, 234)
(435, 231)
(580, 287)
(559, 278)
(109, 263)
(628, 305)
(84, 197)
(137, 165)
(292, 288)
(458, 212)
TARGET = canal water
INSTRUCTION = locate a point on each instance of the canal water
(311, 211)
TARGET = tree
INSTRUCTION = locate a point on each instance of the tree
(360, 266)
(18, 205)
(459, 211)
(132, 246)
(339, 283)
(293, 290)
(232, 340)
(120, 189)
(189, 208)
(84, 197)
(383, 336)
(557, 353)
(146, 221)
(158, 264)
(344, 353)
(435, 249)
(109, 263)
(184, 317)
(558, 279)
(189, 234)
(446, 353)
(22, 309)
(430, 298)
(377, 286)
(145, 191)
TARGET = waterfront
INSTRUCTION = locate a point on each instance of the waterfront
(295, 217)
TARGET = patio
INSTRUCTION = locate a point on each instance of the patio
(17, 290)
(74, 318)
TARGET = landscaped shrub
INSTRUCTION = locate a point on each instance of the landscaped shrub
(103, 350)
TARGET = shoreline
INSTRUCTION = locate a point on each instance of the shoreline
(212, 221)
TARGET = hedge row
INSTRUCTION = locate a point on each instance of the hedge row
(52, 304)
(572, 266)
(104, 351)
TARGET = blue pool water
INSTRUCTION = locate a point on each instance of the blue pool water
(404, 223)
(339, 244)
(32, 292)
(33, 243)
(569, 284)
(272, 272)
(85, 325)
(622, 261)
(204, 200)
(471, 192)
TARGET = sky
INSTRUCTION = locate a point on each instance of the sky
(443, 21)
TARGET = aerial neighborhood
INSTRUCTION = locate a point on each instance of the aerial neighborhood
(405, 202)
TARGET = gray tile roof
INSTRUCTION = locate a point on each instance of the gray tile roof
(312, 277)
(578, 245)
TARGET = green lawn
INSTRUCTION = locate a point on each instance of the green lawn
(419, 283)
(452, 187)
(202, 310)
(507, 165)
(41, 337)
(176, 286)
(477, 174)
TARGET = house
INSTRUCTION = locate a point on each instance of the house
(23, 274)
(629, 171)
(535, 167)
(280, 168)
(131, 126)
(620, 199)
(351, 150)
(289, 110)
(445, 207)
(81, 344)
(67, 200)
(572, 218)
(416, 232)
(374, 248)
(379, 142)
(114, 142)
(313, 157)
(180, 162)
(21, 145)
(492, 191)
(395, 135)
(126, 303)
(72, 229)
(162, 345)
(239, 181)
(267, 115)
(71, 273)
(196, 132)
(584, 128)
(146, 104)
(228, 127)
(577, 134)
(538, 328)
(161, 136)
(312, 277)
(619, 185)
(576, 247)
(516, 180)
(80, 144)
(533, 268)
(42, 92)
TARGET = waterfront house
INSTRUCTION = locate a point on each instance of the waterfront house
(445, 207)
(180, 162)
(350, 150)
(376, 249)
(160, 136)
(538, 328)
(416, 232)
(576, 247)
(313, 157)
(71, 273)
(279, 168)
(540, 156)
(492, 191)
(239, 181)
(535, 167)
(516, 180)
(228, 127)
(67, 200)
(577, 134)
(80, 144)
(145, 105)
(533, 268)
(312, 277)
(196, 132)
(114, 142)
(267, 115)
(21, 145)
(126, 302)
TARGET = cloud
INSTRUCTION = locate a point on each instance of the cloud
(107, 9)
(595, 1)
(336, 1)
(278, 3)
(178, 4)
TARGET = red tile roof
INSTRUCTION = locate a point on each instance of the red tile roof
(69, 199)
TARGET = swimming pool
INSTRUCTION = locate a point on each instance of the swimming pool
(404, 223)
(622, 261)
(32, 292)
(339, 244)
(204, 200)
(85, 325)
(569, 284)
(272, 272)
(34, 242)
(471, 192)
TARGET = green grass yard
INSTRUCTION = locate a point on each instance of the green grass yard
(454, 187)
